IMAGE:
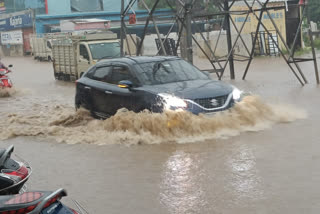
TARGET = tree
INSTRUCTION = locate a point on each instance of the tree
(314, 10)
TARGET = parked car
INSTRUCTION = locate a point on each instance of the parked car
(155, 83)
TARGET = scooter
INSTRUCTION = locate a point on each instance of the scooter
(5, 81)
(13, 174)
(13, 196)
(38, 202)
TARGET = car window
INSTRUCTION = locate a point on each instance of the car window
(120, 73)
(84, 52)
(168, 71)
(101, 74)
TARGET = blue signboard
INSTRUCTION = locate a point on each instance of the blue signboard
(15, 22)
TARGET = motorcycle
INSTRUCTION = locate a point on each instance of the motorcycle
(13, 196)
(13, 174)
(5, 81)
(38, 202)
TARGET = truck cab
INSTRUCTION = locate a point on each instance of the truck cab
(92, 51)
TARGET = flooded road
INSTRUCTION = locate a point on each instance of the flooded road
(264, 159)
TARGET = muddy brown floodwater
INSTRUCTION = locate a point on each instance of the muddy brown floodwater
(260, 157)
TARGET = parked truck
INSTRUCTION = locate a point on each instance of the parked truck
(74, 54)
(41, 46)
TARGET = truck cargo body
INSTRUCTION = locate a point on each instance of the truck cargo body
(41, 47)
(65, 60)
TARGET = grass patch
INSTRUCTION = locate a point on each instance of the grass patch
(303, 51)
(316, 43)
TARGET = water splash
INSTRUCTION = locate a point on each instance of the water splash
(12, 92)
(7, 92)
(63, 124)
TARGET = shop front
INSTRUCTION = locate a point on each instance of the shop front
(15, 31)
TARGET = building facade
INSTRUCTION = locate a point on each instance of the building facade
(20, 18)
(60, 7)
(15, 29)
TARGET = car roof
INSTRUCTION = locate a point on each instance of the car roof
(137, 59)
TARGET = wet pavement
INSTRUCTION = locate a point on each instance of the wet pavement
(274, 169)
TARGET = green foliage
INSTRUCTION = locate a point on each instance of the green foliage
(316, 43)
(314, 10)
(301, 51)
(306, 40)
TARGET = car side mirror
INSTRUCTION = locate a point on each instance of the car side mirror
(125, 84)
(10, 66)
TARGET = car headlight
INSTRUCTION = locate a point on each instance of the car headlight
(237, 94)
(171, 102)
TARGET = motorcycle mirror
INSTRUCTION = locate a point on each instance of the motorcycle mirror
(10, 66)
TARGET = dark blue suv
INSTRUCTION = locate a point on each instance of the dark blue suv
(155, 83)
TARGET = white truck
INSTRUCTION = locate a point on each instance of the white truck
(74, 54)
(41, 46)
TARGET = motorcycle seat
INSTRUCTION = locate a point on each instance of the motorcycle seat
(34, 201)
(12, 202)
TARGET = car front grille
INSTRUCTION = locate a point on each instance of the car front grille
(212, 102)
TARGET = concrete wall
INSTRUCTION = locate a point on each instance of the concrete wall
(221, 49)
(150, 47)
(12, 50)
(250, 26)
(149, 44)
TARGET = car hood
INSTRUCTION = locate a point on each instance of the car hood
(194, 89)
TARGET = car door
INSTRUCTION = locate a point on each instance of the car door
(121, 97)
(100, 88)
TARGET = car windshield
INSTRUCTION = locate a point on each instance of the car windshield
(168, 71)
(105, 50)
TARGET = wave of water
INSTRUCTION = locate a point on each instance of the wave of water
(7, 92)
(64, 124)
